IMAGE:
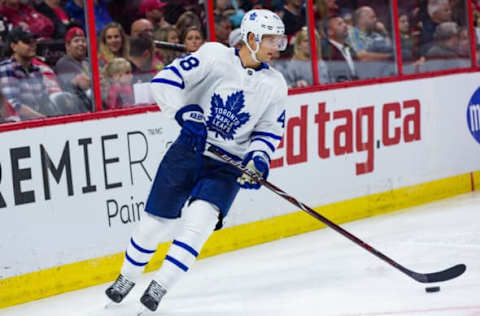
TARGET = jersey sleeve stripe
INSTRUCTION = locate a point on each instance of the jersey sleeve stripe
(180, 85)
(267, 134)
(270, 145)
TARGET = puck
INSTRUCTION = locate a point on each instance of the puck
(432, 289)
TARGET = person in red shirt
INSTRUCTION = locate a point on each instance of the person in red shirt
(26, 17)
(118, 82)
(53, 10)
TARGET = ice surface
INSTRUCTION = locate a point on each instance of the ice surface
(319, 273)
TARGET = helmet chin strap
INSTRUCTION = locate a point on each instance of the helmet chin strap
(253, 53)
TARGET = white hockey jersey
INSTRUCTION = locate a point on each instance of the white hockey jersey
(244, 108)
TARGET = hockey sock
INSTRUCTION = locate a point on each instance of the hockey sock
(199, 221)
(143, 244)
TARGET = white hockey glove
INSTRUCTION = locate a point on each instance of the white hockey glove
(257, 162)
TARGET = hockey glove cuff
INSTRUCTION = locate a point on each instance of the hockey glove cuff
(194, 130)
(257, 162)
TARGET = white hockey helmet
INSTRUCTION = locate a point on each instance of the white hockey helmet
(262, 22)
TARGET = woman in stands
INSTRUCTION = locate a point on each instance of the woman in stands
(298, 72)
(192, 39)
(113, 43)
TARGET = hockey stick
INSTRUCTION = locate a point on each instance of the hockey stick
(171, 46)
(440, 276)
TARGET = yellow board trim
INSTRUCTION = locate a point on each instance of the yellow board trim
(476, 180)
(69, 277)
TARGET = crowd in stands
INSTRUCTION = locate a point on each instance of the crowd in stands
(354, 39)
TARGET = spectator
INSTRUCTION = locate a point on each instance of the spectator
(222, 8)
(223, 28)
(446, 41)
(75, 10)
(73, 69)
(141, 58)
(439, 11)
(49, 77)
(167, 34)
(463, 42)
(141, 26)
(298, 72)
(53, 10)
(7, 112)
(153, 10)
(407, 41)
(186, 20)
(293, 16)
(235, 38)
(118, 77)
(25, 16)
(369, 37)
(21, 82)
(340, 57)
(5, 26)
(113, 43)
(144, 28)
(324, 9)
(193, 39)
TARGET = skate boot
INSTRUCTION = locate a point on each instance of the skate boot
(152, 296)
(119, 289)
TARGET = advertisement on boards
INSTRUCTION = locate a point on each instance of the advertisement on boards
(75, 191)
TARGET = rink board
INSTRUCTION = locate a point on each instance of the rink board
(71, 194)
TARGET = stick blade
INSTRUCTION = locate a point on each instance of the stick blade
(441, 276)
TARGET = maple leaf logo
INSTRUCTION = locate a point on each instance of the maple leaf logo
(226, 118)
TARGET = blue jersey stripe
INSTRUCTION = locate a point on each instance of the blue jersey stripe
(267, 134)
(177, 263)
(270, 145)
(136, 263)
(180, 85)
(186, 247)
(140, 248)
(170, 82)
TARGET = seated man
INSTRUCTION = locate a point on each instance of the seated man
(338, 55)
(21, 82)
(368, 37)
(445, 52)
(141, 57)
(73, 69)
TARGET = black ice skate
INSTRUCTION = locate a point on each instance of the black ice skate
(152, 296)
(119, 289)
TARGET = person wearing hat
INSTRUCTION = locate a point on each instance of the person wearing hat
(21, 82)
(73, 69)
(152, 10)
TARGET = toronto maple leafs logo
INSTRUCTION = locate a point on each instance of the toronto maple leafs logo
(225, 118)
(253, 16)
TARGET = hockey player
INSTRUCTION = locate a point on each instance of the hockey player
(223, 97)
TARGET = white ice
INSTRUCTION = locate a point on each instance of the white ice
(319, 273)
